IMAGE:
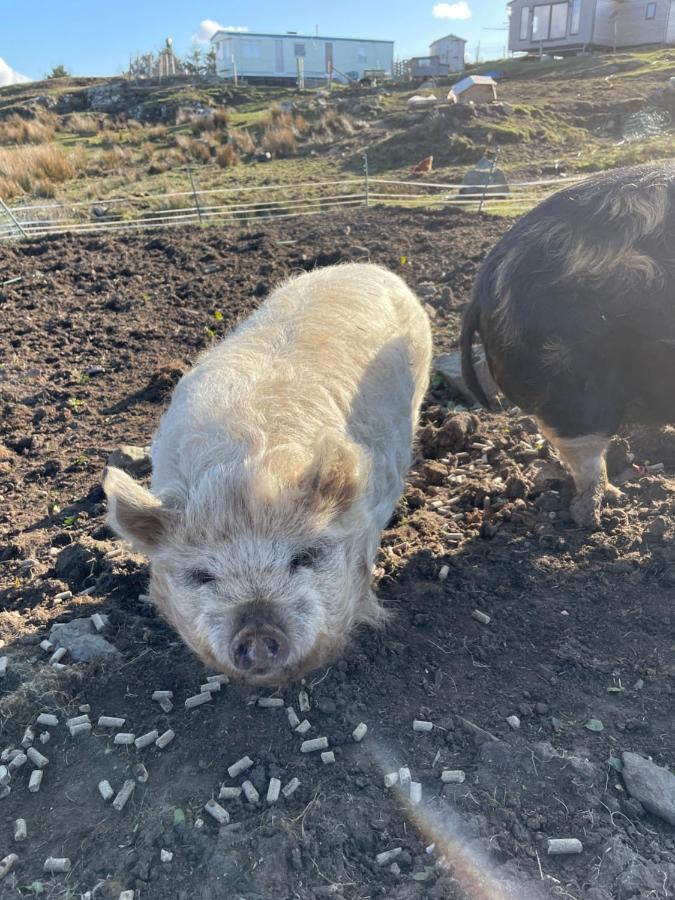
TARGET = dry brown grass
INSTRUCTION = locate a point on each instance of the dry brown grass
(199, 151)
(279, 140)
(17, 130)
(227, 156)
(242, 141)
(217, 122)
(29, 168)
(83, 125)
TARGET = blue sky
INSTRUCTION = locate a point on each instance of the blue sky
(97, 38)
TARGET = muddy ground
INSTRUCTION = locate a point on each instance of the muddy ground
(94, 335)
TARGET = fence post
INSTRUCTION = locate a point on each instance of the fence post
(488, 179)
(13, 218)
(194, 194)
(365, 179)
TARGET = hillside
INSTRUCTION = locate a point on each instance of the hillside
(96, 138)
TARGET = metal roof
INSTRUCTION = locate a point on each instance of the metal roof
(470, 81)
(304, 37)
(453, 36)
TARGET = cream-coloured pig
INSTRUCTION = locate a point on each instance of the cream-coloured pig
(276, 466)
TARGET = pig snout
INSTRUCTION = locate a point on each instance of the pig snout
(259, 650)
(260, 646)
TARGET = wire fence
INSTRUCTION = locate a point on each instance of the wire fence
(256, 204)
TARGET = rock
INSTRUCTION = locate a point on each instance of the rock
(451, 437)
(449, 365)
(134, 460)
(652, 785)
(79, 639)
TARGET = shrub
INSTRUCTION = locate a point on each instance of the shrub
(29, 166)
(227, 156)
(216, 122)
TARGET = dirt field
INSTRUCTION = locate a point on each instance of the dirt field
(94, 335)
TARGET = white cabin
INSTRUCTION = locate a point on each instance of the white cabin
(450, 50)
(275, 56)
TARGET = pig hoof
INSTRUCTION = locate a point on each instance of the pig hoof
(586, 513)
(613, 493)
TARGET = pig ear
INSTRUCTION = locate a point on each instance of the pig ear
(134, 513)
(336, 475)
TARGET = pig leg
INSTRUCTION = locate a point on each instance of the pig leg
(585, 458)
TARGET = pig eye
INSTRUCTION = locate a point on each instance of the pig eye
(201, 576)
(305, 559)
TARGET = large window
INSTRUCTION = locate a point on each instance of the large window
(251, 49)
(558, 21)
(299, 50)
(541, 22)
(651, 11)
(549, 22)
(575, 17)
(524, 22)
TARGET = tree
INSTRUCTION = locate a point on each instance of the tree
(59, 71)
(194, 63)
(210, 61)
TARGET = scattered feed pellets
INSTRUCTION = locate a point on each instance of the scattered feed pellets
(56, 865)
(250, 792)
(124, 794)
(20, 830)
(273, 790)
(82, 728)
(415, 793)
(216, 811)
(293, 719)
(211, 687)
(58, 655)
(48, 720)
(124, 737)
(160, 695)
(390, 779)
(420, 725)
(146, 739)
(35, 781)
(165, 856)
(7, 863)
(513, 721)
(20, 759)
(328, 757)
(481, 617)
(360, 732)
(127, 895)
(105, 790)
(223, 679)
(270, 702)
(240, 766)
(99, 622)
(165, 739)
(303, 701)
(47, 646)
(563, 846)
(444, 572)
(453, 776)
(197, 700)
(229, 793)
(404, 778)
(291, 787)
(320, 743)
(110, 722)
(384, 858)
(5, 776)
(141, 773)
(28, 737)
(303, 727)
(37, 758)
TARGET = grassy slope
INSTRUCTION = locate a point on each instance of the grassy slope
(563, 115)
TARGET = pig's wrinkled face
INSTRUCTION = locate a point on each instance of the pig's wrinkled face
(260, 608)
(262, 581)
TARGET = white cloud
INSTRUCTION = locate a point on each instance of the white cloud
(458, 10)
(208, 27)
(8, 75)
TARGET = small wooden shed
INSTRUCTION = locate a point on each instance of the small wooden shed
(474, 88)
